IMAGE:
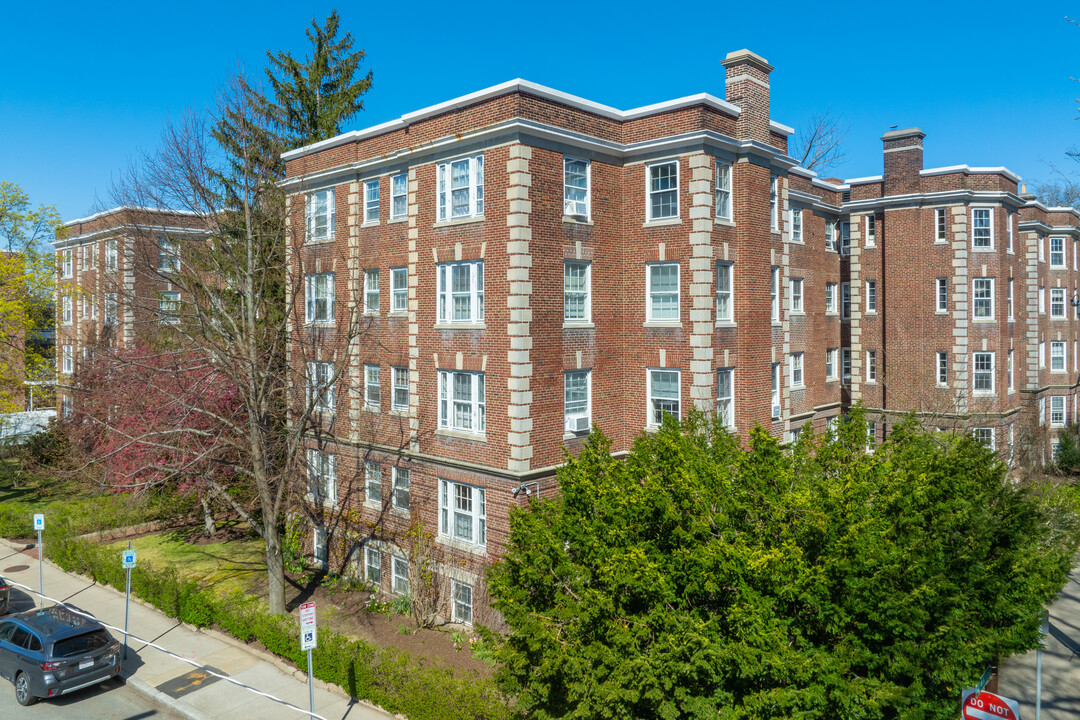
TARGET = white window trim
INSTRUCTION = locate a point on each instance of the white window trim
(845, 360)
(649, 294)
(455, 615)
(67, 263)
(729, 316)
(871, 367)
(941, 284)
(1064, 411)
(830, 236)
(368, 385)
(395, 561)
(845, 301)
(477, 513)
(396, 474)
(795, 285)
(315, 493)
(445, 299)
(373, 480)
(939, 357)
(168, 306)
(941, 229)
(588, 293)
(796, 375)
(993, 436)
(1064, 263)
(871, 297)
(477, 407)
(974, 300)
(373, 561)
(310, 215)
(649, 192)
(774, 288)
(394, 387)
(569, 418)
(310, 282)
(1064, 303)
(796, 215)
(444, 193)
(777, 392)
(992, 371)
(399, 292)
(729, 422)
(371, 206)
(320, 396)
(1064, 355)
(720, 188)
(989, 247)
(831, 291)
(651, 419)
(871, 233)
(832, 363)
(393, 196)
(368, 308)
(67, 366)
(567, 203)
(774, 203)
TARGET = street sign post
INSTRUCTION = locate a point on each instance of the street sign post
(1044, 630)
(127, 561)
(309, 638)
(988, 706)
(39, 525)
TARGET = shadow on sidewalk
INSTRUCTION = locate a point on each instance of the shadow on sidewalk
(1071, 645)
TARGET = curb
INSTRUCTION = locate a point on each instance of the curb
(152, 693)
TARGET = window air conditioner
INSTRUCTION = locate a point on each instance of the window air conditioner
(578, 423)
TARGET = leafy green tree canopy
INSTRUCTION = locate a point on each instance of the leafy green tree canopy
(699, 579)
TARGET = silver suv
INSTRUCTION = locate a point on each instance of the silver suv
(51, 652)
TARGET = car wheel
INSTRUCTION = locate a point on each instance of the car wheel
(22, 690)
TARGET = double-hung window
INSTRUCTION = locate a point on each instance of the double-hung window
(401, 575)
(373, 566)
(830, 235)
(1042, 249)
(796, 225)
(110, 308)
(372, 387)
(725, 397)
(462, 512)
(576, 188)
(942, 368)
(576, 288)
(461, 188)
(319, 307)
(845, 238)
(463, 602)
(774, 203)
(871, 296)
(983, 304)
(1057, 252)
(89, 251)
(663, 292)
(942, 295)
(1009, 370)
(111, 255)
(169, 307)
(774, 293)
(1057, 410)
(724, 308)
(461, 401)
(845, 365)
(66, 309)
(940, 227)
(1009, 215)
(371, 201)
(830, 364)
(373, 482)
(1057, 357)
(1042, 300)
(1057, 303)
(983, 375)
(401, 499)
(796, 295)
(400, 377)
(723, 191)
(830, 297)
(984, 436)
(399, 289)
(663, 190)
(796, 370)
(1010, 298)
(664, 394)
(775, 409)
(871, 231)
(982, 226)
(576, 396)
(399, 185)
(67, 263)
(321, 386)
(68, 360)
(168, 256)
(320, 215)
(1042, 354)
(322, 476)
(845, 300)
(371, 291)
(871, 366)
(461, 292)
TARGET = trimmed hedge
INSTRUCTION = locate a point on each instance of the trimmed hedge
(387, 677)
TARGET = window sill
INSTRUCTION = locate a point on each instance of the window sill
(396, 220)
(373, 505)
(726, 324)
(869, 382)
(796, 313)
(662, 324)
(724, 221)
(943, 313)
(832, 379)
(471, 548)
(870, 312)
(320, 324)
(370, 313)
(327, 503)
(460, 326)
(373, 409)
(796, 242)
(459, 221)
(398, 412)
(319, 241)
(984, 394)
(399, 512)
(575, 435)
(369, 223)
(398, 313)
(984, 321)
(461, 434)
(574, 325)
(574, 220)
(984, 250)
(1058, 267)
(663, 222)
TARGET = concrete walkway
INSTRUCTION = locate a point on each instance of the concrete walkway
(170, 681)
(1060, 663)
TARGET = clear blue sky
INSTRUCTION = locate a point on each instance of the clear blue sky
(84, 87)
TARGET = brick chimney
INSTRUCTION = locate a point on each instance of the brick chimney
(748, 87)
(903, 160)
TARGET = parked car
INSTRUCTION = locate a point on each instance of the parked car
(52, 652)
(5, 596)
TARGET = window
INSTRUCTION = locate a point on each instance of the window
(845, 365)
(984, 436)
(1057, 357)
(89, 259)
(1057, 302)
(320, 215)
(796, 225)
(1010, 298)
(371, 291)
(576, 401)
(725, 397)
(942, 295)
(318, 545)
(371, 201)
(871, 366)
(845, 300)
(372, 387)
(830, 235)
(461, 401)
(982, 227)
(724, 309)
(1042, 354)
(1009, 229)
(168, 256)
(110, 255)
(983, 377)
(845, 238)
(774, 290)
(774, 204)
(322, 476)
(1009, 369)
(399, 185)
(939, 224)
(65, 302)
(664, 395)
(373, 482)
(68, 366)
(373, 566)
(723, 191)
(796, 295)
(796, 369)
(871, 296)
(110, 308)
(461, 292)
(830, 297)
(462, 512)
(942, 368)
(1042, 411)
(401, 499)
(663, 292)
(871, 231)
(462, 602)
(830, 364)
(775, 390)
(401, 575)
(663, 190)
(321, 386)
(400, 378)
(984, 298)
(66, 406)
(871, 436)
(1042, 300)
(1057, 410)
(399, 289)
(319, 307)
(461, 188)
(169, 307)
(1042, 249)
(576, 187)
(576, 287)
(67, 263)
(1057, 252)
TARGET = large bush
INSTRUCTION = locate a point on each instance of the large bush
(698, 579)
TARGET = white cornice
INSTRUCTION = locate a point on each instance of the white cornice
(781, 128)
(85, 237)
(130, 208)
(934, 198)
(967, 170)
(868, 179)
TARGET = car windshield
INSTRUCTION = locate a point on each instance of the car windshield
(87, 642)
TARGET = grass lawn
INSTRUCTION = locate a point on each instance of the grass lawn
(32, 492)
(228, 565)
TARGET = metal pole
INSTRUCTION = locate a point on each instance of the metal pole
(310, 685)
(127, 607)
(41, 571)
(1044, 630)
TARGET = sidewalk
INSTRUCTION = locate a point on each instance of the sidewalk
(1060, 662)
(171, 682)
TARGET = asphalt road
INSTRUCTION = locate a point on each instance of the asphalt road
(108, 701)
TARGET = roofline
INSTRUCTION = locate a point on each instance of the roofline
(867, 179)
(968, 170)
(520, 85)
(72, 240)
(1059, 209)
(129, 208)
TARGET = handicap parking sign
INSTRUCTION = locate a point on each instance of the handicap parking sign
(129, 559)
(307, 640)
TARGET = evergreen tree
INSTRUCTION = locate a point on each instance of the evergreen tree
(1068, 454)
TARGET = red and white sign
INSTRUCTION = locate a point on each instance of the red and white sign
(308, 635)
(988, 706)
(307, 615)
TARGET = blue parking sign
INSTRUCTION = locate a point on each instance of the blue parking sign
(129, 559)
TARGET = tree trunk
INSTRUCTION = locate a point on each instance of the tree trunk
(275, 566)
(208, 516)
